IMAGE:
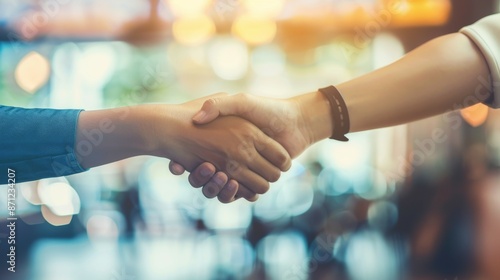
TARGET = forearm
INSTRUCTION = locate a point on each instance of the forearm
(444, 74)
(105, 136)
(436, 77)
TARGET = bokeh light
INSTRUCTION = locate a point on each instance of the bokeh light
(102, 227)
(475, 115)
(263, 8)
(254, 30)
(193, 31)
(32, 72)
(59, 197)
(54, 219)
(228, 58)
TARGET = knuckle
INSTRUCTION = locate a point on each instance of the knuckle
(212, 102)
(233, 167)
(242, 96)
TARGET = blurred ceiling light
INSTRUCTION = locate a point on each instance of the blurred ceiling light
(475, 115)
(228, 58)
(254, 30)
(32, 72)
(60, 197)
(183, 8)
(193, 31)
(264, 8)
(419, 13)
(149, 31)
(54, 219)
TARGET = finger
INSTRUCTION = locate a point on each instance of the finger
(227, 194)
(243, 192)
(215, 185)
(264, 168)
(247, 177)
(232, 105)
(273, 152)
(246, 193)
(176, 168)
(202, 174)
(257, 163)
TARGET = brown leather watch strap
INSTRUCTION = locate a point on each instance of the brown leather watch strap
(340, 116)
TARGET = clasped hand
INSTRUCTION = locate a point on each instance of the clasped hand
(285, 121)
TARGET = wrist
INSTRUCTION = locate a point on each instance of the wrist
(157, 129)
(315, 110)
(105, 136)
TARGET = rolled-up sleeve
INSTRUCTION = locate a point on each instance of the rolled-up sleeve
(486, 35)
(37, 143)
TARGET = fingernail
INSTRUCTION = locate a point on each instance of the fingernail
(205, 172)
(198, 117)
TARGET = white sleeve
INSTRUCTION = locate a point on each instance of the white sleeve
(486, 35)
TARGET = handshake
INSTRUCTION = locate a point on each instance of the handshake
(232, 145)
(235, 145)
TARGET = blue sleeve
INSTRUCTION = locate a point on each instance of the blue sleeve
(37, 143)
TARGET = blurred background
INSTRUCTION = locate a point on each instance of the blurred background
(418, 201)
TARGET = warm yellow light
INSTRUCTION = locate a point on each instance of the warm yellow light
(54, 219)
(32, 72)
(228, 58)
(419, 13)
(264, 8)
(193, 31)
(188, 8)
(475, 115)
(254, 30)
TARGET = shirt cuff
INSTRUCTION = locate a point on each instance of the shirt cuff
(484, 34)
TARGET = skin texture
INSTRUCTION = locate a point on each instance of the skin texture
(445, 74)
(235, 147)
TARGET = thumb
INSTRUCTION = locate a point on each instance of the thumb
(215, 107)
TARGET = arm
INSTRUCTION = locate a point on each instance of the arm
(233, 145)
(428, 81)
(444, 74)
(447, 73)
(37, 143)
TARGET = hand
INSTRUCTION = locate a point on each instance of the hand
(234, 146)
(296, 123)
